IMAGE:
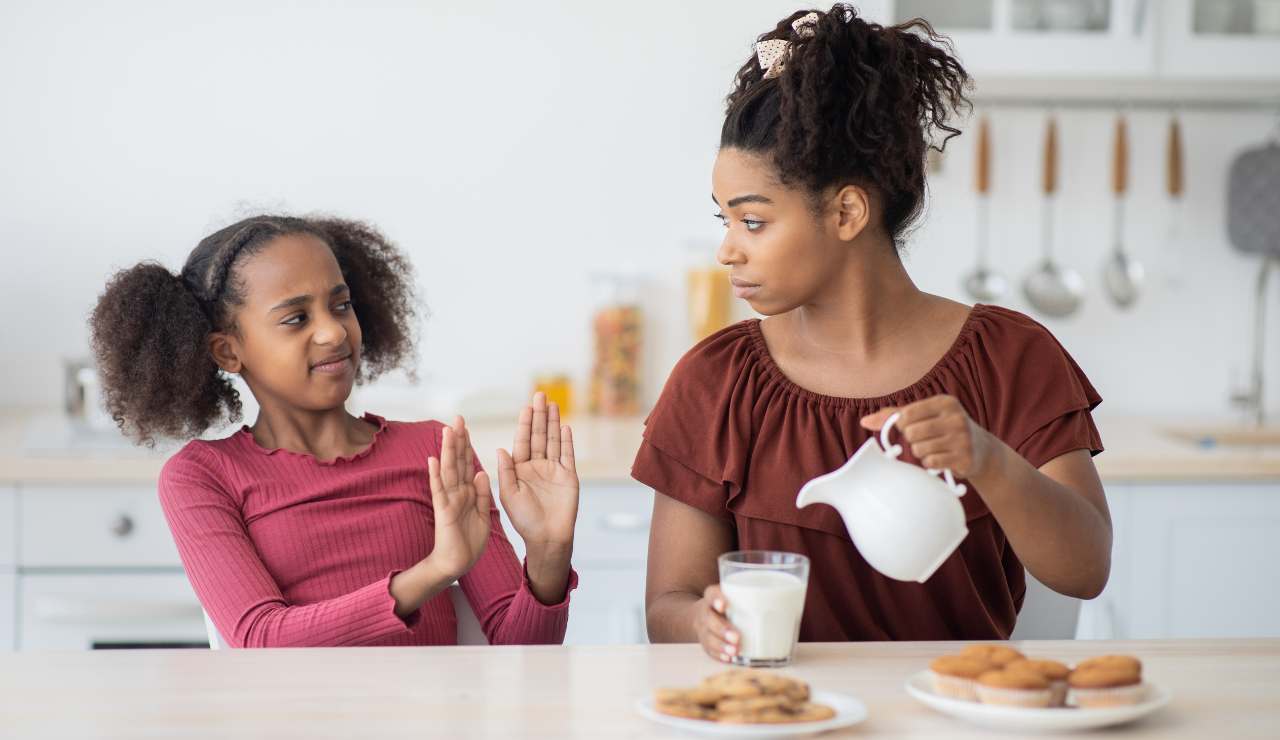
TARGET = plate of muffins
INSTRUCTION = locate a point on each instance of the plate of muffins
(997, 686)
(747, 703)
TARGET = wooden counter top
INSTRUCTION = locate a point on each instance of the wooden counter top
(1220, 688)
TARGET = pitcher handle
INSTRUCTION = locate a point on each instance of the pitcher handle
(893, 451)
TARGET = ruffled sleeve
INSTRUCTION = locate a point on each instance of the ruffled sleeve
(1033, 394)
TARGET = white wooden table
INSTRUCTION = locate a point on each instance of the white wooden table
(1221, 689)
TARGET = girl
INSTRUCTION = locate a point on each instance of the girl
(820, 174)
(313, 527)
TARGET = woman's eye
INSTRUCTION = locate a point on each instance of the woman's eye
(723, 221)
(752, 224)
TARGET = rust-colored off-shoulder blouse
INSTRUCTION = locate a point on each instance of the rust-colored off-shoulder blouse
(732, 436)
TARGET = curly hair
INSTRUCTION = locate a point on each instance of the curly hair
(150, 328)
(855, 103)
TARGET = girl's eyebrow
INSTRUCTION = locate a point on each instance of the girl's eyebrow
(301, 300)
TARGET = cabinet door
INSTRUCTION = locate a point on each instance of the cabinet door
(8, 610)
(81, 612)
(1044, 38)
(608, 607)
(8, 527)
(1220, 39)
(70, 527)
(1202, 560)
(612, 528)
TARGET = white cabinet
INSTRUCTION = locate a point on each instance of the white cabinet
(1043, 38)
(100, 527)
(1190, 560)
(96, 567)
(1220, 39)
(8, 565)
(103, 611)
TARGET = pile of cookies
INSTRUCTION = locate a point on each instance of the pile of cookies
(998, 674)
(744, 696)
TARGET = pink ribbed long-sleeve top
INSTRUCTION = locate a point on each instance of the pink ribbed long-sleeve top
(284, 550)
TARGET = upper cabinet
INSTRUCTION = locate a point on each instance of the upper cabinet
(1100, 39)
(1220, 39)
(1043, 38)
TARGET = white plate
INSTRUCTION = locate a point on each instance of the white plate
(920, 686)
(849, 711)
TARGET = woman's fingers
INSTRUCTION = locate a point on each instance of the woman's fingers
(524, 432)
(717, 635)
(448, 459)
(566, 449)
(538, 442)
(553, 431)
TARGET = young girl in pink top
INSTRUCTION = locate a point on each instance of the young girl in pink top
(312, 526)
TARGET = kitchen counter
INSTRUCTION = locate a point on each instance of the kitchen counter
(1138, 450)
(1220, 688)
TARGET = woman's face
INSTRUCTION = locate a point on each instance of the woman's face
(297, 341)
(780, 253)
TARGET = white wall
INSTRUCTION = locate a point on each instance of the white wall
(513, 149)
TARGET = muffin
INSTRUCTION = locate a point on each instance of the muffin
(1052, 670)
(997, 655)
(1120, 662)
(1014, 688)
(956, 676)
(1107, 685)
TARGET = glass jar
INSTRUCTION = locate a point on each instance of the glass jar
(617, 325)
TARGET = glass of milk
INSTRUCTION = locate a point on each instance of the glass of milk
(765, 591)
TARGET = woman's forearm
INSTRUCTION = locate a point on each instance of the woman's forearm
(670, 617)
(1058, 534)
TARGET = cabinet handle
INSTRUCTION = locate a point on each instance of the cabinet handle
(122, 526)
(624, 522)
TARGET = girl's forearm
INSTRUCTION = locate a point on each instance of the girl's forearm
(411, 588)
(548, 567)
(1058, 534)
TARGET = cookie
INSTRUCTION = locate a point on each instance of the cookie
(686, 710)
(802, 712)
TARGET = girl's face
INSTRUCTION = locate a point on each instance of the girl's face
(780, 253)
(297, 341)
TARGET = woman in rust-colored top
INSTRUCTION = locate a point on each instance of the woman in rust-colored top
(820, 173)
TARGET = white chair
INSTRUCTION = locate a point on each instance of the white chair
(469, 630)
(215, 640)
(1046, 614)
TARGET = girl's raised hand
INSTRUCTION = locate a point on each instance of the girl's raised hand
(538, 480)
(462, 500)
(940, 434)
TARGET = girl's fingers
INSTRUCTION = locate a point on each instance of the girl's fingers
(553, 431)
(538, 442)
(484, 493)
(439, 497)
(466, 470)
(448, 462)
(524, 431)
(507, 483)
(566, 449)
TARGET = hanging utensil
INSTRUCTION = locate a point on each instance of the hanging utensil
(1122, 274)
(1052, 290)
(984, 284)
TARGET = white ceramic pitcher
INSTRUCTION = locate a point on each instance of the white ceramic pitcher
(904, 520)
